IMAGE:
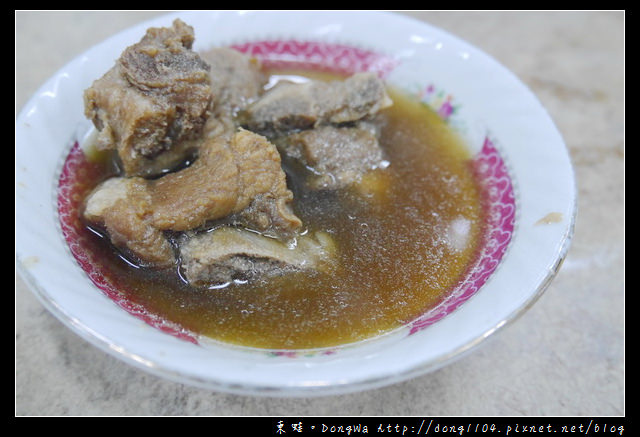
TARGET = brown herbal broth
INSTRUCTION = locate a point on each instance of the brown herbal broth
(395, 255)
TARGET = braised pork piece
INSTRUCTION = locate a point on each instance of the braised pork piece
(240, 176)
(152, 102)
(227, 253)
(337, 157)
(272, 208)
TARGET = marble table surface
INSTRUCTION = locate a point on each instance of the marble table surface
(564, 357)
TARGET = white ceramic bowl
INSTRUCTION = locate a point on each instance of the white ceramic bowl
(519, 155)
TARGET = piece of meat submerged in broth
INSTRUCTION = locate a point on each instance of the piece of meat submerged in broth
(227, 254)
(152, 102)
(337, 157)
(121, 208)
(228, 178)
(296, 106)
(329, 127)
(236, 81)
(240, 178)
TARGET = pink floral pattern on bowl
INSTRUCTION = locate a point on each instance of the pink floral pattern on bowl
(488, 166)
(439, 100)
(317, 56)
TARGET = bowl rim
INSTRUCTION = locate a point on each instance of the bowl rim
(88, 333)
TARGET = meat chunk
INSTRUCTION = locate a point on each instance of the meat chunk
(228, 253)
(236, 79)
(337, 156)
(122, 207)
(241, 177)
(297, 106)
(264, 203)
(206, 190)
(153, 101)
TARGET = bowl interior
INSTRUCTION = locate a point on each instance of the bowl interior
(487, 165)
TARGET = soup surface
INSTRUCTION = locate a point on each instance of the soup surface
(401, 248)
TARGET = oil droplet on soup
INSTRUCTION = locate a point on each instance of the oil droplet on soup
(399, 254)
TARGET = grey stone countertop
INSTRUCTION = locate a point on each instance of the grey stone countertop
(563, 357)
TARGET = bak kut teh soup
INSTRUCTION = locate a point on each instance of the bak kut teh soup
(273, 209)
